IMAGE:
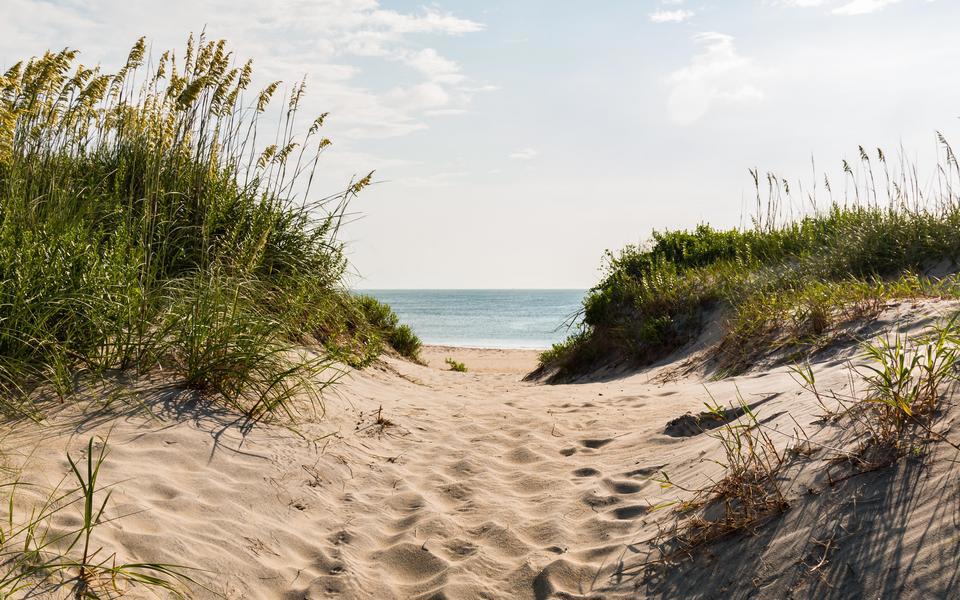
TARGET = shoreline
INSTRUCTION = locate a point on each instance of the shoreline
(487, 347)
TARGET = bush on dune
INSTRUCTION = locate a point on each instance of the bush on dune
(784, 283)
(386, 328)
(142, 226)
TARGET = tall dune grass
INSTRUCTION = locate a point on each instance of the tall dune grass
(145, 224)
(807, 263)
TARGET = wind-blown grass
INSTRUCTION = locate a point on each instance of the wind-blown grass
(144, 225)
(37, 558)
(784, 283)
(907, 380)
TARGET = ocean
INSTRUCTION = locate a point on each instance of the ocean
(485, 318)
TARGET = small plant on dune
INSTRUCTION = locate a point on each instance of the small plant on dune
(906, 379)
(454, 365)
(38, 558)
(749, 490)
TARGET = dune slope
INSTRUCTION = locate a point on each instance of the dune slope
(425, 483)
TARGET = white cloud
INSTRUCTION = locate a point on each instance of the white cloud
(718, 74)
(805, 3)
(671, 16)
(846, 7)
(433, 66)
(862, 7)
(331, 41)
(524, 154)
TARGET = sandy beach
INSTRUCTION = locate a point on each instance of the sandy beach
(701, 318)
(420, 482)
(482, 360)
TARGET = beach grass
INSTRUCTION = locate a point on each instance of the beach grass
(785, 283)
(37, 557)
(905, 381)
(147, 222)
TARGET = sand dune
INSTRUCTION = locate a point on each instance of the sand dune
(480, 486)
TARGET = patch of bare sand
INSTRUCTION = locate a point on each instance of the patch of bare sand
(482, 360)
(485, 487)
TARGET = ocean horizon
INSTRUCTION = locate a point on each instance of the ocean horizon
(485, 318)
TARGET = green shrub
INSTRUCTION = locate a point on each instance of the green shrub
(378, 314)
(380, 325)
(406, 342)
(459, 367)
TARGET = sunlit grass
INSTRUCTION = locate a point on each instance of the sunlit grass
(37, 558)
(145, 222)
(787, 282)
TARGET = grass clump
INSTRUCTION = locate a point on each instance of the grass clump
(385, 327)
(37, 558)
(144, 225)
(785, 283)
(888, 409)
(906, 380)
(750, 489)
(454, 365)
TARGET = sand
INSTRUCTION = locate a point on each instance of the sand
(478, 485)
(482, 360)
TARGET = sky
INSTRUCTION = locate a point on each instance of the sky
(515, 141)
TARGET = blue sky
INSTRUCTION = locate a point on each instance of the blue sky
(515, 141)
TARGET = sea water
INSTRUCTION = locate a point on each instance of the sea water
(485, 318)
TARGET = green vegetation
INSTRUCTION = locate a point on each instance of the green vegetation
(751, 488)
(459, 367)
(887, 410)
(906, 382)
(38, 557)
(143, 226)
(783, 285)
(385, 327)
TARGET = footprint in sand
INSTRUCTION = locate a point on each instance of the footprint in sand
(410, 562)
(459, 549)
(625, 513)
(522, 455)
(594, 500)
(644, 471)
(623, 487)
(595, 444)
